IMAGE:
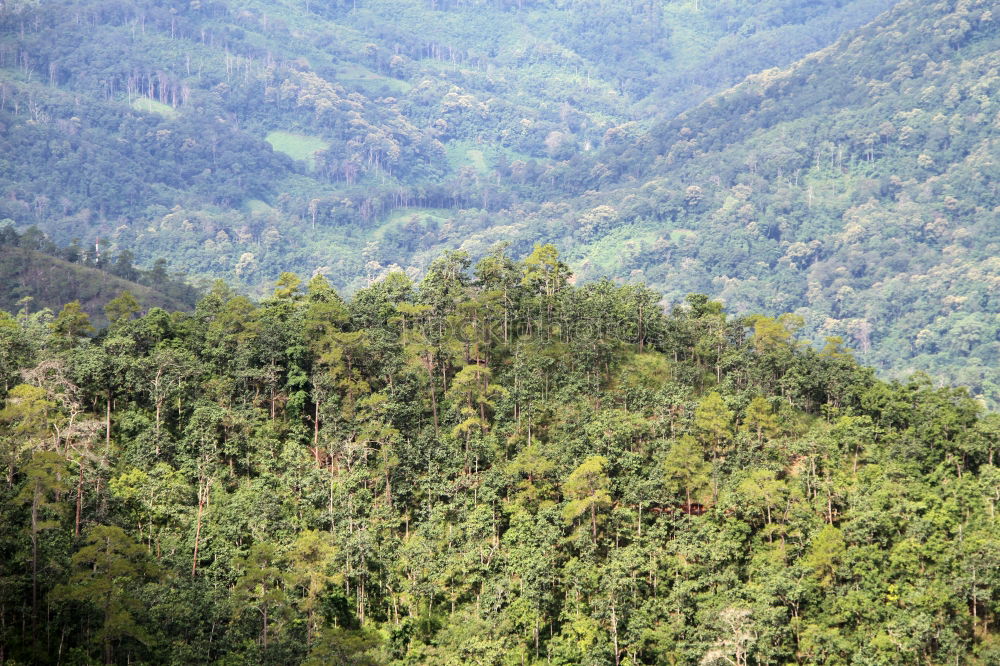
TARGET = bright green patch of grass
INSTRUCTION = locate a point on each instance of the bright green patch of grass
(297, 146)
(464, 153)
(353, 74)
(258, 206)
(678, 235)
(148, 105)
(401, 216)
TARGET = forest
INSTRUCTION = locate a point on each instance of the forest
(492, 465)
(293, 372)
(833, 159)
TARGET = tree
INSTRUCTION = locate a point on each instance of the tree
(826, 550)
(107, 571)
(71, 323)
(122, 308)
(712, 421)
(337, 645)
(287, 287)
(45, 481)
(587, 489)
(760, 419)
(310, 560)
(685, 469)
(16, 350)
(167, 371)
(261, 588)
(24, 424)
(762, 489)
(544, 277)
(533, 468)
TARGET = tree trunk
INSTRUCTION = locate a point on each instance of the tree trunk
(79, 500)
(34, 564)
(434, 409)
(107, 422)
(316, 433)
(197, 529)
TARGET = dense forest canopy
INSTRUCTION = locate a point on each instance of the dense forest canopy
(852, 187)
(291, 371)
(489, 466)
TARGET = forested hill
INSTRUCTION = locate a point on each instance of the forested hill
(856, 188)
(38, 276)
(853, 187)
(242, 139)
(492, 466)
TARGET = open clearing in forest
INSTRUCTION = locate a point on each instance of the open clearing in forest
(297, 146)
(356, 75)
(152, 106)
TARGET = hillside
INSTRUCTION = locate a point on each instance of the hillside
(30, 270)
(492, 466)
(852, 188)
(238, 140)
(855, 188)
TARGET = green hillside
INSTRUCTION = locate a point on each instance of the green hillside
(855, 189)
(35, 279)
(492, 466)
(155, 124)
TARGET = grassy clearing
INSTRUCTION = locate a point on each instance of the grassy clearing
(148, 105)
(297, 146)
(258, 206)
(401, 216)
(365, 78)
(680, 235)
(466, 153)
(406, 214)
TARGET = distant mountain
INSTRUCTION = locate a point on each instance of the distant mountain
(856, 188)
(243, 139)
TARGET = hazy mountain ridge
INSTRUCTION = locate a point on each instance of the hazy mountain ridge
(854, 188)
(408, 106)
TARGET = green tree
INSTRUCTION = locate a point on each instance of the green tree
(122, 308)
(336, 645)
(760, 419)
(45, 482)
(106, 573)
(588, 490)
(826, 550)
(712, 422)
(310, 563)
(24, 424)
(261, 588)
(685, 470)
(71, 323)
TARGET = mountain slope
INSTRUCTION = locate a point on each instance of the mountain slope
(29, 269)
(856, 188)
(243, 139)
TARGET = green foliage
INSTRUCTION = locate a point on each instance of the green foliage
(121, 308)
(587, 489)
(686, 471)
(491, 465)
(106, 570)
(508, 461)
(240, 142)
